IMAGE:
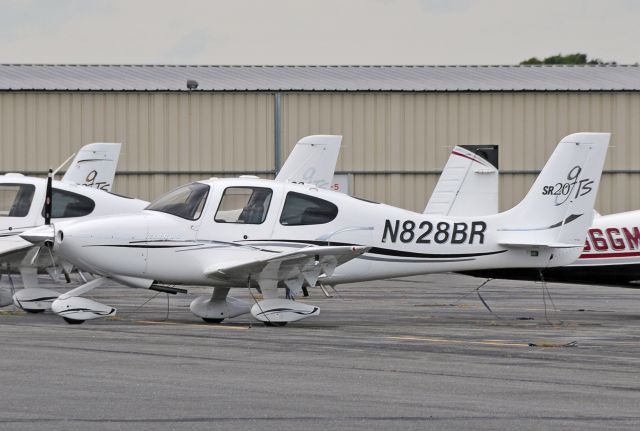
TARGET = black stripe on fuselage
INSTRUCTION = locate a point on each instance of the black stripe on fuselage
(375, 250)
(568, 220)
(389, 259)
(139, 245)
(386, 251)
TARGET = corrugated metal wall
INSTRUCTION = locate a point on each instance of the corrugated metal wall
(395, 142)
(161, 132)
(415, 132)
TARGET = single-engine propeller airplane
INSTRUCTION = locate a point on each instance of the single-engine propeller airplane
(265, 234)
(83, 191)
(312, 160)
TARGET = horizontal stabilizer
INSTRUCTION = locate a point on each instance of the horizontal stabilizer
(540, 244)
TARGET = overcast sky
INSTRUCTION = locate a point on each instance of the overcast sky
(315, 31)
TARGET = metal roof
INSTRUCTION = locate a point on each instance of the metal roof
(73, 77)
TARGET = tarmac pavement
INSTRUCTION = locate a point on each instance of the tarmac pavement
(417, 353)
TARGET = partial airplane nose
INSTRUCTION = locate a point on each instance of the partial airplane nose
(40, 235)
(105, 245)
(69, 246)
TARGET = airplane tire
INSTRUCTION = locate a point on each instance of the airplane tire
(73, 321)
(275, 324)
(212, 320)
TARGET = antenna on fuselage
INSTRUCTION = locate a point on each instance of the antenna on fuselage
(47, 199)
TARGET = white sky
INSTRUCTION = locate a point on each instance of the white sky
(315, 31)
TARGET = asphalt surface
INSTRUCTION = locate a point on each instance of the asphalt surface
(418, 353)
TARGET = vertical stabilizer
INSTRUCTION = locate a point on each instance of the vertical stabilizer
(312, 161)
(558, 209)
(468, 184)
(94, 166)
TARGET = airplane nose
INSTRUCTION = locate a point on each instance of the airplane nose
(59, 234)
(63, 243)
(40, 235)
(104, 245)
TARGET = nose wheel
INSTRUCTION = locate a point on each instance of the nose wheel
(211, 320)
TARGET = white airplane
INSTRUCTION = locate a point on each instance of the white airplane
(313, 160)
(83, 191)
(266, 234)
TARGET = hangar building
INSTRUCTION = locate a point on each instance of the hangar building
(399, 122)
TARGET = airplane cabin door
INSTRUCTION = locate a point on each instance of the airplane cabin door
(19, 204)
(243, 213)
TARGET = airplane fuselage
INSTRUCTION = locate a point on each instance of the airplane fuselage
(166, 248)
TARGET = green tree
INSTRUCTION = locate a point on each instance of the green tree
(577, 58)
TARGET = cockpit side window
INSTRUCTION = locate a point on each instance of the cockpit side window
(186, 202)
(65, 204)
(300, 209)
(247, 205)
(15, 199)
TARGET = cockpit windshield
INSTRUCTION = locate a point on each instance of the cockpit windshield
(15, 199)
(186, 201)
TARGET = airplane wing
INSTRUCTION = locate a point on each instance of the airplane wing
(312, 161)
(468, 184)
(94, 166)
(293, 268)
(13, 245)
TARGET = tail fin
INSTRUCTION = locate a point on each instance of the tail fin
(558, 209)
(94, 166)
(468, 184)
(313, 161)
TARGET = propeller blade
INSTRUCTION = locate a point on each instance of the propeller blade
(47, 201)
